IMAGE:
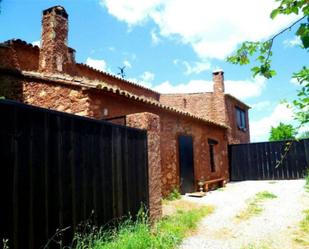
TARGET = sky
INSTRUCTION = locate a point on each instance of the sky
(172, 46)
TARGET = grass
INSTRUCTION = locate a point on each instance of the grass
(173, 195)
(257, 246)
(302, 235)
(167, 233)
(254, 206)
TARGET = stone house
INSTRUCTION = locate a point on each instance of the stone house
(188, 134)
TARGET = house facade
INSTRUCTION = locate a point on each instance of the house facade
(188, 134)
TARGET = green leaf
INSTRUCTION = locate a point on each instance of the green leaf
(274, 13)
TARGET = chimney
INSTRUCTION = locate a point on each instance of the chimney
(54, 50)
(219, 107)
(218, 79)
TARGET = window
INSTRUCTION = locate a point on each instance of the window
(211, 144)
(241, 119)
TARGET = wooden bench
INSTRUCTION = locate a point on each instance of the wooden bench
(221, 181)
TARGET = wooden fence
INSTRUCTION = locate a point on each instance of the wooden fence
(57, 170)
(261, 161)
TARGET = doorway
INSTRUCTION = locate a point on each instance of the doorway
(186, 164)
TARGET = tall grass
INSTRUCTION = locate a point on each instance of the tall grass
(167, 233)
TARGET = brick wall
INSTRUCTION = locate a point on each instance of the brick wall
(196, 103)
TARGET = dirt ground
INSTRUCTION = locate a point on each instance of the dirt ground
(275, 227)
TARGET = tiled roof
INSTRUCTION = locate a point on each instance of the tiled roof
(102, 86)
(117, 77)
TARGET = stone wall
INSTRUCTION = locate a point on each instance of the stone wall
(151, 123)
(70, 99)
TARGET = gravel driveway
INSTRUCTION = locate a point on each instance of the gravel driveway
(274, 227)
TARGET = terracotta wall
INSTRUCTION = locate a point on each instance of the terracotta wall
(235, 135)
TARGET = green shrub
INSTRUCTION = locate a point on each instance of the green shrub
(173, 195)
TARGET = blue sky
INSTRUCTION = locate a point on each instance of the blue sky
(174, 45)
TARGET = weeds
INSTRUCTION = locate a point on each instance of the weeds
(302, 236)
(254, 206)
(167, 233)
(173, 195)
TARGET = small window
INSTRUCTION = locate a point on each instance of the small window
(211, 144)
(241, 119)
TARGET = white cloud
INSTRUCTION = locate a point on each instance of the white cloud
(242, 89)
(190, 87)
(261, 105)
(212, 28)
(154, 37)
(36, 43)
(97, 64)
(196, 67)
(292, 42)
(147, 76)
(294, 81)
(259, 130)
(145, 79)
(193, 67)
(127, 64)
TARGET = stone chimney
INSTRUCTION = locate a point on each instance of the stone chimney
(54, 51)
(219, 96)
(218, 79)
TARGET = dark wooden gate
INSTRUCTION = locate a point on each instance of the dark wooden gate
(186, 164)
(58, 170)
(269, 160)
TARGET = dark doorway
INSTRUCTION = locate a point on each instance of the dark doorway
(186, 164)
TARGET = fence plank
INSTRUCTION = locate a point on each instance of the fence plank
(257, 161)
(58, 170)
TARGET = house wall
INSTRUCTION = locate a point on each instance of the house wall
(172, 125)
(196, 103)
(235, 135)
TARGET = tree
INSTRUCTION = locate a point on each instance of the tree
(282, 132)
(262, 52)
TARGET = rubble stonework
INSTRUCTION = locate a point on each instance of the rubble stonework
(54, 50)
(151, 123)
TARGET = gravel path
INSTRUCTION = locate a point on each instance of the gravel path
(274, 227)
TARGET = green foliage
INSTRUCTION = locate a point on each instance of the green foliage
(173, 195)
(167, 233)
(301, 104)
(282, 132)
(262, 52)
